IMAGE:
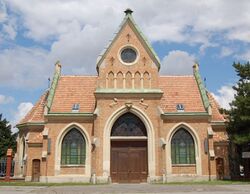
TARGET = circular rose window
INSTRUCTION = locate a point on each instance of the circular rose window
(128, 55)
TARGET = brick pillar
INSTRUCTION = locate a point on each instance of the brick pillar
(8, 164)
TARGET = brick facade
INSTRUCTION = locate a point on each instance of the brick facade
(119, 88)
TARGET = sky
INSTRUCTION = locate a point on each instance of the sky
(34, 34)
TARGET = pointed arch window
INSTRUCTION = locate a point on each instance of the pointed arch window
(129, 125)
(137, 80)
(119, 80)
(73, 148)
(182, 148)
(128, 79)
(146, 80)
(111, 80)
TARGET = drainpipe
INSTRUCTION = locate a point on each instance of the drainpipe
(209, 162)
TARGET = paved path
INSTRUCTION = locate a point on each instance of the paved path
(129, 189)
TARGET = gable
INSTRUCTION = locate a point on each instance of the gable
(128, 22)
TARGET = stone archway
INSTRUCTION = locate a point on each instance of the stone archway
(129, 162)
(150, 140)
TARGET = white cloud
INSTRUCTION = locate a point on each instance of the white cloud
(177, 21)
(76, 31)
(224, 96)
(226, 51)
(3, 11)
(24, 67)
(240, 34)
(22, 109)
(46, 18)
(9, 29)
(243, 56)
(6, 99)
(7, 23)
(83, 47)
(177, 63)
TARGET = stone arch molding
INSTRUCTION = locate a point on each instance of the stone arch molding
(58, 146)
(150, 133)
(197, 143)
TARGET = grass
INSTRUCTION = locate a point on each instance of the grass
(42, 184)
(215, 182)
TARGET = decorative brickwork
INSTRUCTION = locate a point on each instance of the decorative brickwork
(125, 85)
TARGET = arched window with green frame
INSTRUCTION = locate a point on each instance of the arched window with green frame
(182, 147)
(73, 150)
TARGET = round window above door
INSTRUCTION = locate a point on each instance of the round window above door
(128, 55)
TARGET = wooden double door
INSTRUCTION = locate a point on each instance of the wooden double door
(129, 161)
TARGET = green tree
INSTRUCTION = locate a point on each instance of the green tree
(238, 125)
(7, 139)
(239, 115)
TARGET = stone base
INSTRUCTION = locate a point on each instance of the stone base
(186, 178)
(62, 179)
(154, 179)
(106, 179)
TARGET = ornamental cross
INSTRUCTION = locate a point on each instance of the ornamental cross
(128, 36)
(112, 59)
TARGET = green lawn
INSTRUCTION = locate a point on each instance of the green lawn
(226, 182)
(41, 184)
(214, 182)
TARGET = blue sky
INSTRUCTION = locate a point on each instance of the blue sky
(35, 34)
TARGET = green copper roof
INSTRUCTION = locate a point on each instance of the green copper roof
(53, 88)
(202, 89)
(128, 18)
(30, 124)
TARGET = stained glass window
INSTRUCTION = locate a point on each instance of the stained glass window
(182, 148)
(73, 148)
(128, 55)
(128, 125)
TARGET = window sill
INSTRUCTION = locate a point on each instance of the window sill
(184, 165)
(72, 165)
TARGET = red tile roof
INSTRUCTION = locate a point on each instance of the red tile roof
(80, 89)
(180, 90)
(216, 115)
(36, 114)
(74, 90)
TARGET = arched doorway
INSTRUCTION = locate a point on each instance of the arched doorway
(129, 161)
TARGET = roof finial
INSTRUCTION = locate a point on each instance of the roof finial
(128, 11)
(196, 66)
(58, 67)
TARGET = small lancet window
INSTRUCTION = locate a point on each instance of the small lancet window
(180, 107)
(75, 107)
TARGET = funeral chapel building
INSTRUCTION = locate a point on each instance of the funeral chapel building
(127, 124)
